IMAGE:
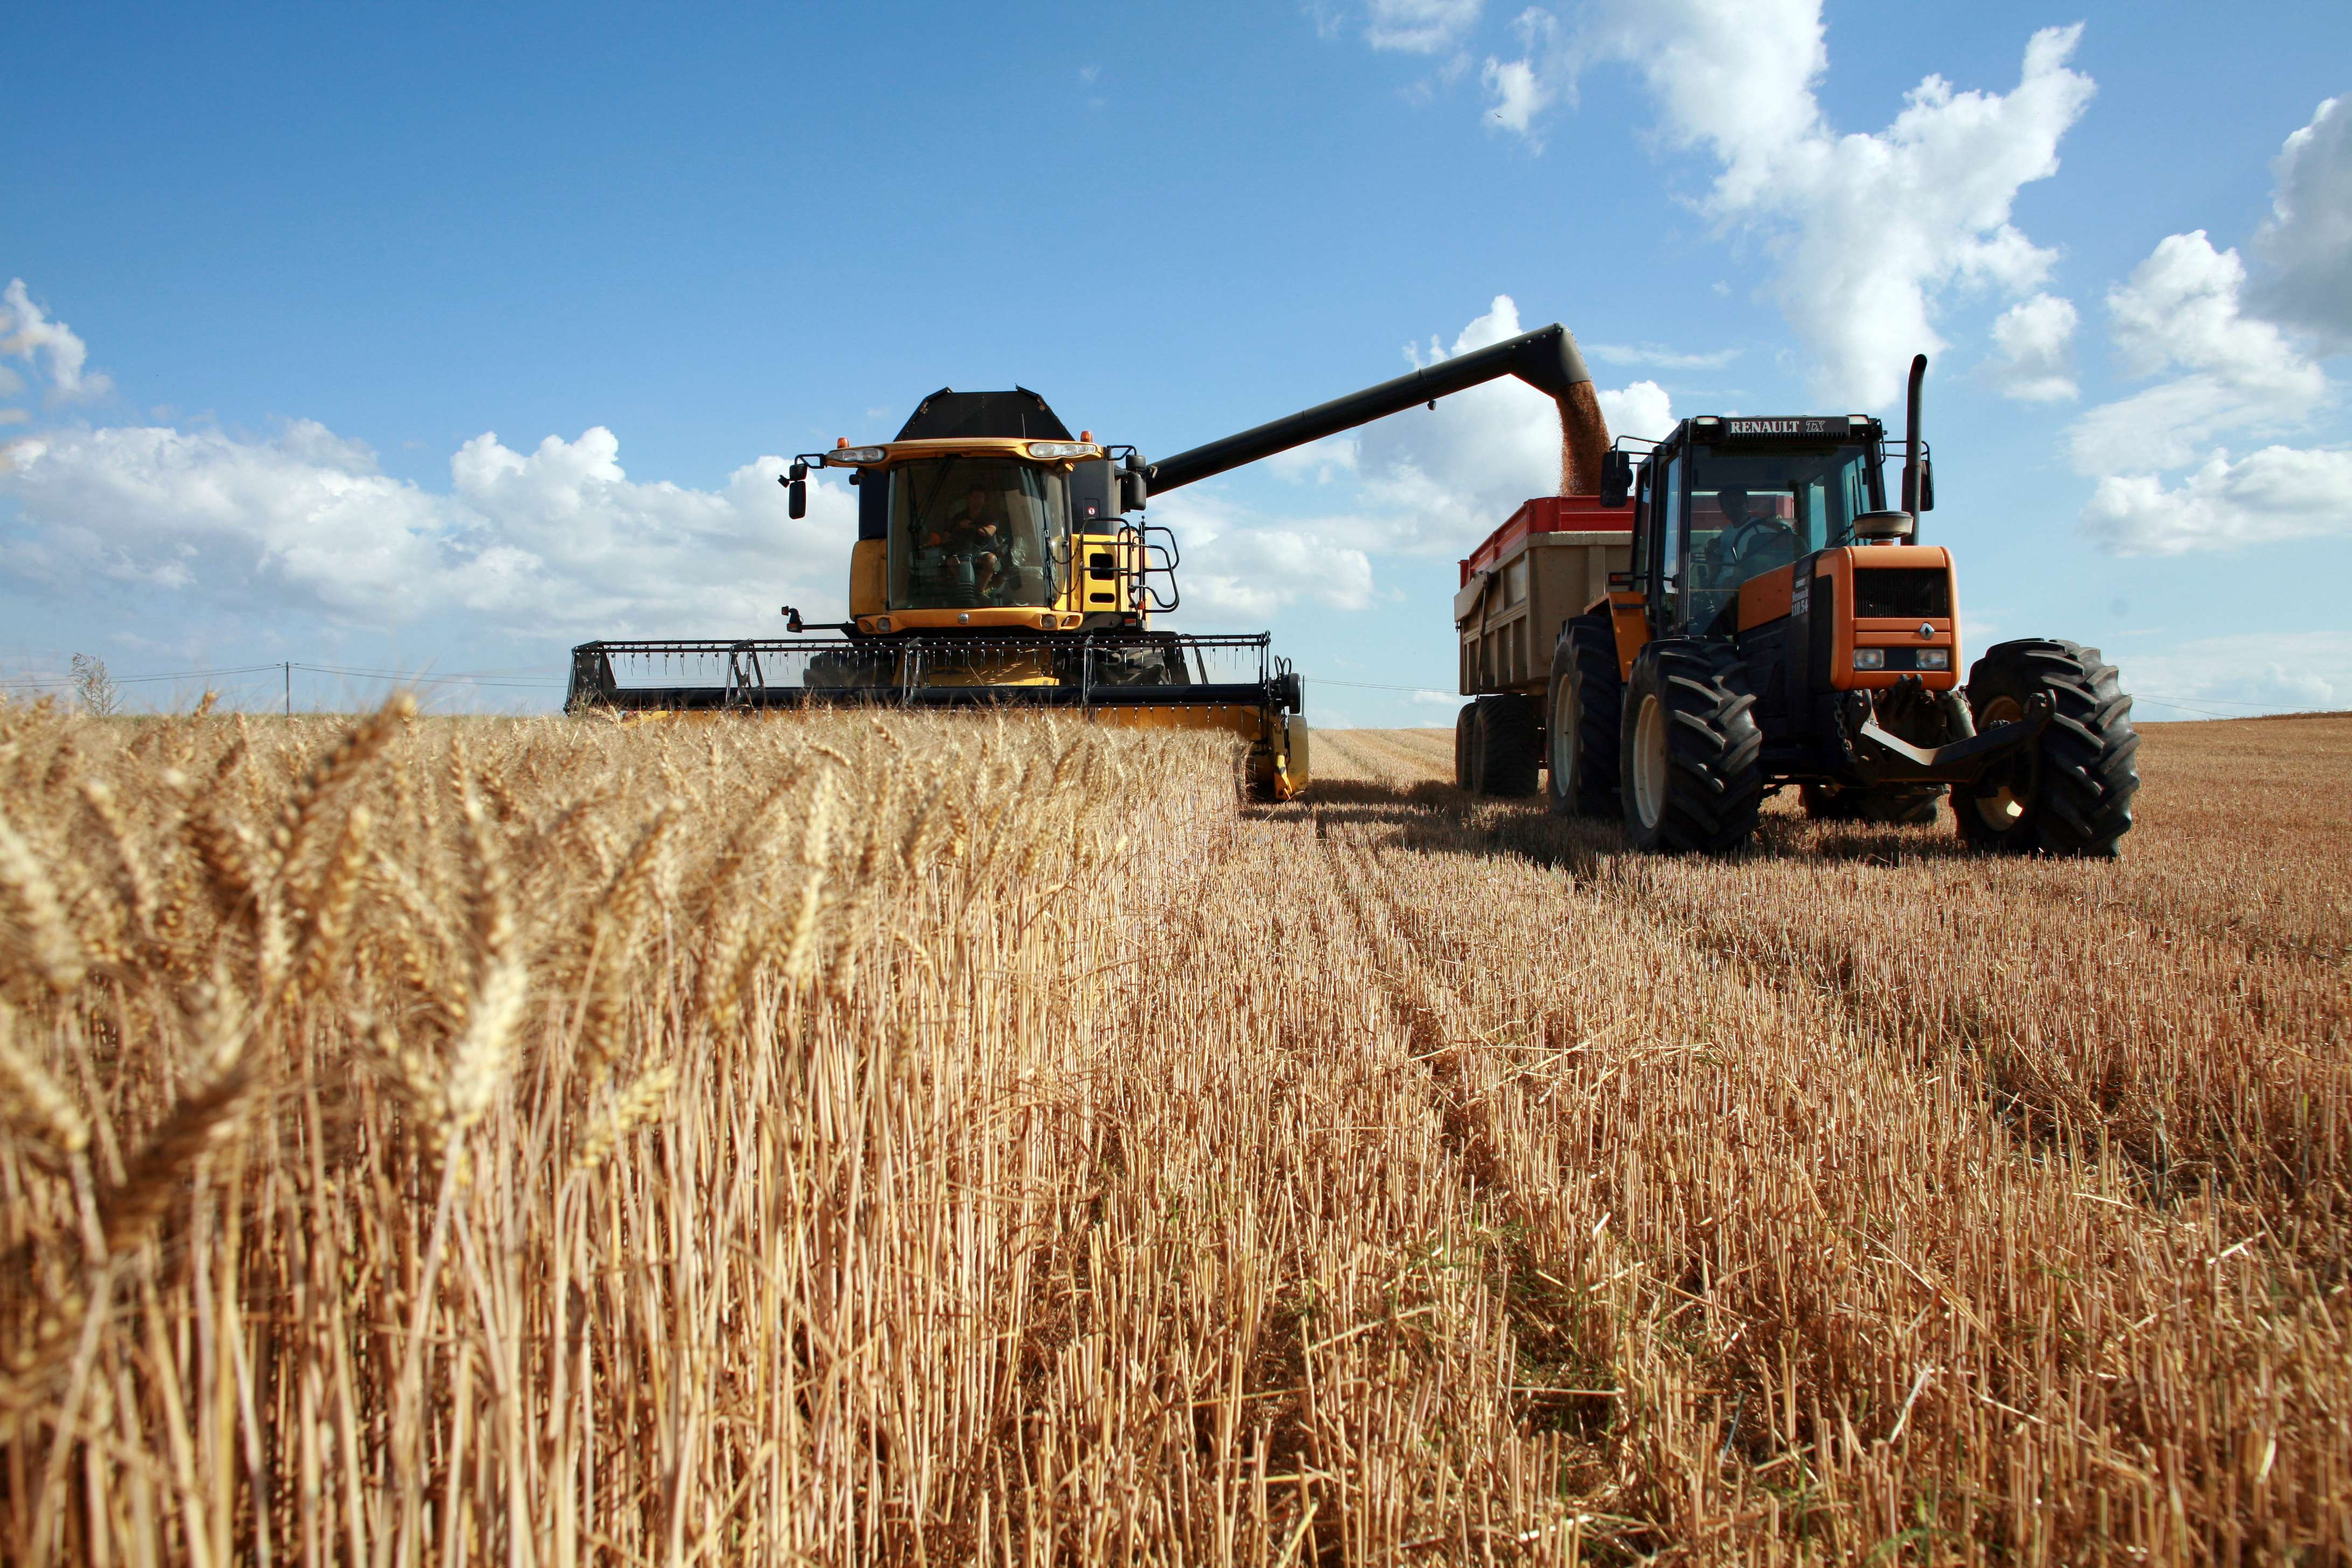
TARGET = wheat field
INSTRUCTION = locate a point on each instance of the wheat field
(868, 1139)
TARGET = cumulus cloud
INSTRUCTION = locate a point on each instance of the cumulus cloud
(1871, 232)
(1437, 480)
(2181, 314)
(2270, 671)
(2277, 493)
(2308, 239)
(555, 539)
(1641, 409)
(1242, 564)
(1523, 89)
(51, 347)
(1419, 27)
(2036, 339)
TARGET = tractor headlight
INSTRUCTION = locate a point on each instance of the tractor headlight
(1870, 659)
(857, 454)
(1052, 449)
(1935, 658)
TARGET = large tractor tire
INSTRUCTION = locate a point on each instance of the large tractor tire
(1895, 805)
(1503, 751)
(1692, 770)
(2071, 793)
(1462, 745)
(1588, 701)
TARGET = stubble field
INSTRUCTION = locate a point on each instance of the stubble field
(862, 1140)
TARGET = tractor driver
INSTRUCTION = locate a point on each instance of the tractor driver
(1749, 543)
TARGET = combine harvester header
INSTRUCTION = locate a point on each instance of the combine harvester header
(1002, 561)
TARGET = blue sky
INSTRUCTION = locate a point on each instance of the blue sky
(439, 339)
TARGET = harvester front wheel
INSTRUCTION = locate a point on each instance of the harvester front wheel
(1588, 702)
(1692, 770)
(2070, 792)
(1504, 755)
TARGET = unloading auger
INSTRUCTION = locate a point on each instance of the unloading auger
(1000, 562)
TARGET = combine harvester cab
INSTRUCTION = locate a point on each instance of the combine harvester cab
(995, 566)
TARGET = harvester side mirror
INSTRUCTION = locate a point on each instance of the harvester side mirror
(1616, 477)
(1134, 490)
(797, 499)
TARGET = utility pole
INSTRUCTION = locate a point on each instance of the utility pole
(290, 688)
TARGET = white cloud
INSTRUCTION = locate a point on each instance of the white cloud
(2036, 339)
(557, 539)
(2277, 493)
(1445, 477)
(1640, 409)
(1871, 232)
(2181, 306)
(33, 337)
(1520, 96)
(1419, 27)
(2274, 672)
(1238, 563)
(2181, 311)
(2308, 239)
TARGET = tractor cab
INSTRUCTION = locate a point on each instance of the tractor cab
(1723, 502)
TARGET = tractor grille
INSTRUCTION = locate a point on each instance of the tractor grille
(1909, 593)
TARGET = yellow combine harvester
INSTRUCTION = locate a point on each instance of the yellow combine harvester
(1002, 562)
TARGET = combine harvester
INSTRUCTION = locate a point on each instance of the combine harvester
(1002, 562)
(1758, 618)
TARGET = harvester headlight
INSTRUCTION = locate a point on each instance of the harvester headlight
(1870, 659)
(1935, 658)
(857, 454)
(1052, 449)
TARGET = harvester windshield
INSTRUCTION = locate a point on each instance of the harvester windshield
(1753, 511)
(973, 532)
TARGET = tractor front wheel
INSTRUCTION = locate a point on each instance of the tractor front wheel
(2071, 792)
(1588, 701)
(1692, 765)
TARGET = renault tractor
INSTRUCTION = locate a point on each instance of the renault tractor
(1776, 624)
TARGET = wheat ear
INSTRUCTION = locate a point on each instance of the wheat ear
(31, 897)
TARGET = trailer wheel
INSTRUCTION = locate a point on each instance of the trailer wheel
(1692, 770)
(1462, 722)
(2071, 793)
(1587, 700)
(1504, 756)
(1903, 807)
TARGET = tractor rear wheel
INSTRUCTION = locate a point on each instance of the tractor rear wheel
(1588, 701)
(1890, 803)
(1691, 772)
(2071, 792)
(1503, 751)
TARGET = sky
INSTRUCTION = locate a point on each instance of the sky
(386, 341)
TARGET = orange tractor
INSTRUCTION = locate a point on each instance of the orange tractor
(1769, 621)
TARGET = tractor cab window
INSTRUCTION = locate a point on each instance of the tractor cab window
(975, 533)
(1754, 511)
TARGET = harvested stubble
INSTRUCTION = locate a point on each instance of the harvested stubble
(899, 1140)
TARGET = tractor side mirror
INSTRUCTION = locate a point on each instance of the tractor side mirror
(1926, 484)
(1616, 477)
